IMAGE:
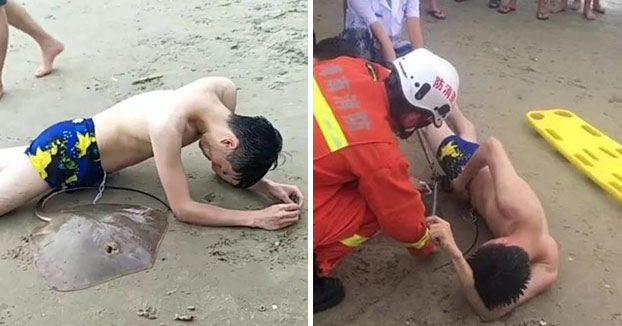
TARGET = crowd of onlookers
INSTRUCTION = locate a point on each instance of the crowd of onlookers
(373, 28)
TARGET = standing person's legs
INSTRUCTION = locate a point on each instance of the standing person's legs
(510, 6)
(597, 7)
(587, 10)
(543, 11)
(434, 11)
(4, 39)
(50, 47)
(19, 183)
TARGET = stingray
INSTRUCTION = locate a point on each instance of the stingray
(86, 245)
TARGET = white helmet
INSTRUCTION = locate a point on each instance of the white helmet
(428, 82)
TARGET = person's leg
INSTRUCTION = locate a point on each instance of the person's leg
(9, 155)
(597, 7)
(434, 136)
(576, 5)
(19, 183)
(327, 291)
(543, 12)
(50, 47)
(587, 10)
(434, 11)
(4, 41)
(462, 126)
(563, 6)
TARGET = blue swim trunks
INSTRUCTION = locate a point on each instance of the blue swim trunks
(453, 154)
(2, 3)
(66, 155)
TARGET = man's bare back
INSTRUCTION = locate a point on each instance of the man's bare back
(124, 130)
(512, 212)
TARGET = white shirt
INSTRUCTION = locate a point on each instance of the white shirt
(363, 13)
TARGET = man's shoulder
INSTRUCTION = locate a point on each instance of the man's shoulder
(548, 255)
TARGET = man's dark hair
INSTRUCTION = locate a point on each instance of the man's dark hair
(259, 145)
(333, 47)
(500, 273)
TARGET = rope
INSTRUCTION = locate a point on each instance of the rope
(41, 203)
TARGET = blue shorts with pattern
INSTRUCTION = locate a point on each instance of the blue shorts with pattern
(66, 155)
(453, 154)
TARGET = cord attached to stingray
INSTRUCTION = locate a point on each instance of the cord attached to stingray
(42, 201)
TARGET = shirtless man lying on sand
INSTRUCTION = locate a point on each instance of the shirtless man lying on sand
(158, 124)
(522, 260)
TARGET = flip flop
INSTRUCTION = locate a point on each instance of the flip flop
(438, 14)
(494, 4)
(542, 15)
(505, 9)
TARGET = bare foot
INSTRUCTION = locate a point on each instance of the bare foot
(576, 4)
(49, 51)
(563, 6)
(598, 8)
(589, 15)
(542, 15)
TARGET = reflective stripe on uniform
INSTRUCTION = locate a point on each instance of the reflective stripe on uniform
(419, 244)
(327, 122)
(354, 241)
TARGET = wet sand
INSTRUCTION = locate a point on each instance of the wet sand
(228, 274)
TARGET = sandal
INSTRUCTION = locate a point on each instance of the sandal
(438, 14)
(542, 15)
(505, 9)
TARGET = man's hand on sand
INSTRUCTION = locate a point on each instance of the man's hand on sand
(287, 194)
(277, 216)
(440, 231)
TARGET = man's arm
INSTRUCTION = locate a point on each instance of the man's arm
(414, 32)
(414, 24)
(364, 10)
(386, 46)
(166, 142)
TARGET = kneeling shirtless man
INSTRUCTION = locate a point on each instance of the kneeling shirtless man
(522, 260)
(158, 124)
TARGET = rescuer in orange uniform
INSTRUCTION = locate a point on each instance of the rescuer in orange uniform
(361, 183)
